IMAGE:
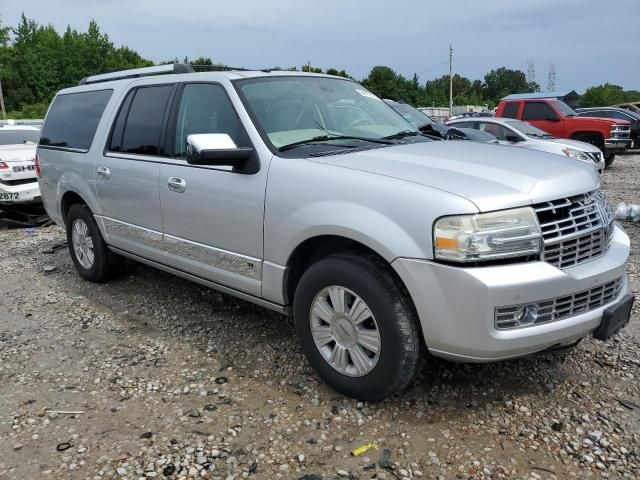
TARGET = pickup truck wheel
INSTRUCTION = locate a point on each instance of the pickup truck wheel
(609, 157)
(357, 326)
(89, 252)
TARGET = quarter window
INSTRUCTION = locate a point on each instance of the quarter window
(144, 121)
(73, 119)
(537, 111)
(497, 131)
(205, 108)
(511, 110)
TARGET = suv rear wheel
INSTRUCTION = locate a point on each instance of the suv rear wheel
(357, 326)
(90, 254)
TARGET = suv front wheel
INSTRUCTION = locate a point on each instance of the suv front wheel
(357, 326)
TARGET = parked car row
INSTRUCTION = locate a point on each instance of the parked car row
(560, 120)
(514, 132)
(428, 126)
(308, 195)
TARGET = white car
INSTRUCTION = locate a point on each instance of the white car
(510, 131)
(19, 191)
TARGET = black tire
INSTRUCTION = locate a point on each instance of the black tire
(609, 157)
(104, 263)
(400, 342)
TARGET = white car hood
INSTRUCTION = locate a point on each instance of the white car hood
(493, 177)
(566, 143)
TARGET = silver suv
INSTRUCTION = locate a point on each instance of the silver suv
(308, 195)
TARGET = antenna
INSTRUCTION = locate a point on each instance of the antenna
(531, 71)
(551, 83)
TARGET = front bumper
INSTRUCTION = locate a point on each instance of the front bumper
(617, 143)
(457, 305)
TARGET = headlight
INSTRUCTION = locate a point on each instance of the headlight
(487, 236)
(576, 154)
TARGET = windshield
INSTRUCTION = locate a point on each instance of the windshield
(528, 129)
(413, 115)
(565, 109)
(18, 137)
(299, 109)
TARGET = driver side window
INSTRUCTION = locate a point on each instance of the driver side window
(205, 108)
(537, 111)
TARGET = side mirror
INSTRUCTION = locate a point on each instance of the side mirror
(552, 118)
(512, 138)
(215, 149)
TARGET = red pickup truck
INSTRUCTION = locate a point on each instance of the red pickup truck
(560, 120)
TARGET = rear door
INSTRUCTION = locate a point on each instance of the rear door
(127, 172)
(213, 222)
(541, 115)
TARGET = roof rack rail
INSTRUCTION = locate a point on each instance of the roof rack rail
(138, 72)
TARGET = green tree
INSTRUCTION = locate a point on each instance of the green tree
(39, 61)
(503, 81)
(603, 95)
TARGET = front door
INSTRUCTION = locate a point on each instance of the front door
(213, 216)
(127, 173)
(541, 115)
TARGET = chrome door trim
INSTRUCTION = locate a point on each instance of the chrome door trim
(207, 283)
(145, 236)
(228, 261)
(164, 160)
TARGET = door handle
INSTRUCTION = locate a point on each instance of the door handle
(103, 172)
(177, 184)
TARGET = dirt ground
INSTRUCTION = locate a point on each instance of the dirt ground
(151, 376)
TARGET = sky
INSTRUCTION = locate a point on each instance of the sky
(590, 42)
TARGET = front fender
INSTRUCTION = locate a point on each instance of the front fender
(353, 221)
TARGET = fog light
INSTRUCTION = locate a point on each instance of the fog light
(527, 315)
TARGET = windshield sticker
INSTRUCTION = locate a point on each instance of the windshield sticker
(366, 93)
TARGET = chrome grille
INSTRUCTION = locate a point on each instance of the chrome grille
(575, 229)
(558, 308)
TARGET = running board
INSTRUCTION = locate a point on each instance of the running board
(207, 283)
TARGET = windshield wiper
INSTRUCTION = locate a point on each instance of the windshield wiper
(325, 138)
(402, 134)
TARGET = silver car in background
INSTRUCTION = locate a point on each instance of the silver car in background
(517, 133)
(308, 195)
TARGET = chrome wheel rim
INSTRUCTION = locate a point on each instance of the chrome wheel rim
(82, 243)
(345, 331)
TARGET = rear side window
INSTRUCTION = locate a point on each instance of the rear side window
(537, 111)
(73, 119)
(511, 110)
(138, 127)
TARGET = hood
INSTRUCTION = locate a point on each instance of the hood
(591, 120)
(493, 177)
(18, 153)
(566, 143)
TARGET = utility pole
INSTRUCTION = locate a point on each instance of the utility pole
(4, 113)
(450, 80)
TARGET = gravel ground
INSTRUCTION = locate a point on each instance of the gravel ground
(152, 376)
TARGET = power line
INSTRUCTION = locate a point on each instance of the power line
(431, 68)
